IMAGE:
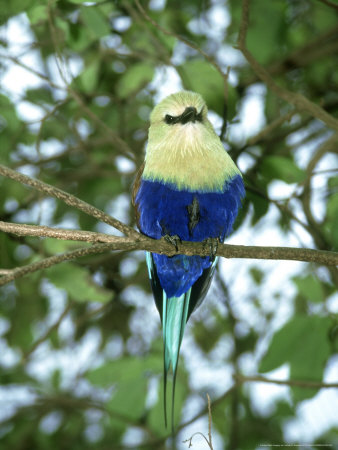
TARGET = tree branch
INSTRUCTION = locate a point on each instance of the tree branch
(140, 242)
(67, 198)
(330, 4)
(52, 261)
(294, 98)
(240, 379)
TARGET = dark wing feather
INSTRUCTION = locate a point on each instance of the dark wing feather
(155, 283)
(200, 288)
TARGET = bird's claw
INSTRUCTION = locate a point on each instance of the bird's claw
(212, 243)
(174, 240)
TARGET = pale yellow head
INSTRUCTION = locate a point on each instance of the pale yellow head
(183, 148)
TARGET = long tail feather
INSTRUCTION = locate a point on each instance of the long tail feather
(174, 318)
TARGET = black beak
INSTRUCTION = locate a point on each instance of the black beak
(189, 115)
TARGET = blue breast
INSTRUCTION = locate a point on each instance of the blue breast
(164, 210)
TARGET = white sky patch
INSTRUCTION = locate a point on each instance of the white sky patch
(251, 115)
(121, 24)
(51, 422)
(77, 359)
(157, 5)
(124, 164)
(13, 397)
(17, 34)
(264, 395)
(27, 109)
(166, 81)
(216, 121)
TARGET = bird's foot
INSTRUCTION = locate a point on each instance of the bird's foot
(212, 243)
(174, 240)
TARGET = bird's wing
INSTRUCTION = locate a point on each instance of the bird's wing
(135, 188)
(200, 288)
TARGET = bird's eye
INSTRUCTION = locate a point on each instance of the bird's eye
(169, 119)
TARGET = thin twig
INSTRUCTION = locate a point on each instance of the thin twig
(52, 261)
(48, 332)
(209, 422)
(240, 379)
(180, 38)
(67, 198)
(208, 441)
(330, 4)
(195, 47)
(294, 98)
(61, 66)
(270, 127)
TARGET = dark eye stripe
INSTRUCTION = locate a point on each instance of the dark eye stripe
(171, 120)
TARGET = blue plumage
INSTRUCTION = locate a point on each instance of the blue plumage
(164, 210)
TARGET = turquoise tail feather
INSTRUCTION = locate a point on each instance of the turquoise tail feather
(174, 318)
(174, 312)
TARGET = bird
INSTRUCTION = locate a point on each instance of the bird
(187, 189)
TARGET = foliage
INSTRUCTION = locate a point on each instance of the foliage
(82, 340)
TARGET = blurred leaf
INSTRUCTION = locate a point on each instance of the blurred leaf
(257, 275)
(260, 205)
(282, 168)
(310, 287)
(129, 400)
(95, 21)
(37, 13)
(78, 283)
(89, 77)
(124, 370)
(303, 343)
(264, 35)
(136, 77)
(200, 76)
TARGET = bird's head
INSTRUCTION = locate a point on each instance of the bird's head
(180, 118)
(183, 147)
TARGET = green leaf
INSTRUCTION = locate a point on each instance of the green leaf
(95, 21)
(12, 8)
(200, 76)
(130, 376)
(89, 77)
(310, 287)
(257, 275)
(282, 168)
(260, 205)
(76, 281)
(267, 22)
(41, 95)
(129, 400)
(37, 14)
(125, 369)
(136, 77)
(303, 343)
